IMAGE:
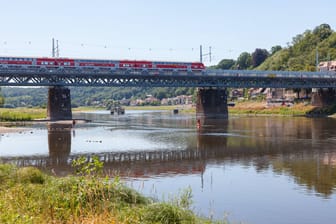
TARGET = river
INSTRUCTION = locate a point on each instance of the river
(245, 169)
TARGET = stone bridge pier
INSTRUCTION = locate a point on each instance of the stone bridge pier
(323, 97)
(59, 103)
(212, 103)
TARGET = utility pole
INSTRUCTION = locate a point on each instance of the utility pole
(207, 54)
(55, 49)
(317, 60)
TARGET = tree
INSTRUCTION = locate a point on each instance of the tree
(226, 64)
(323, 31)
(259, 56)
(275, 49)
(243, 61)
(160, 93)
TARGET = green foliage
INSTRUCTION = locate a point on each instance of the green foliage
(21, 114)
(166, 213)
(323, 31)
(244, 61)
(258, 57)
(226, 64)
(7, 172)
(176, 210)
(30, 175)
(29, 196)
(275, 49)
(89, 96)
(300, 55)
(84, 167)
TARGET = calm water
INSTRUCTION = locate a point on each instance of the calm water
(248, 169)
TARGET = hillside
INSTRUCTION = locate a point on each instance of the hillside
(300, 55)
(86, 96)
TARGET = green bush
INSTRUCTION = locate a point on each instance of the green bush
(30, 175)
(166, 213)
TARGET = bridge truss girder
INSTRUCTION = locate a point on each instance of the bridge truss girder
(145, 78)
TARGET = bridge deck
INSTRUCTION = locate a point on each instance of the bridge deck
(36, 76)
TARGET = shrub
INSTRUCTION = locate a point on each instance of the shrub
(30, 175)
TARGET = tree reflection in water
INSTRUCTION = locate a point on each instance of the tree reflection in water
(298, 147)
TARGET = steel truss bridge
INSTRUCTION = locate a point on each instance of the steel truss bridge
(121, 77)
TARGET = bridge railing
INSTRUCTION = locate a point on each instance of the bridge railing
(31, 69)
(271, 74)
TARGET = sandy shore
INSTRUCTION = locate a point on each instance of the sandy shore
(4, 130)
(72, 123)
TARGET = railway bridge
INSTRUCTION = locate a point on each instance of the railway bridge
(212, 83)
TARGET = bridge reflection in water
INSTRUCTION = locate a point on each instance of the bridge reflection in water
(132, 163)
(286, 146)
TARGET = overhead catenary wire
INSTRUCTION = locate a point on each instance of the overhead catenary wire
(108, 50)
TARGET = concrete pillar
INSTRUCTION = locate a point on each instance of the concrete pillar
(59, 103)
(212, 103)
(323, 97)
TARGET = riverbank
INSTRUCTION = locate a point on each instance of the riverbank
(4, 130)
(240, 108)
(260, 108)
(29, 196)
(22, 114)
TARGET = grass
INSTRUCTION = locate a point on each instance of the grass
(241, 108)
(258, 108)
(29, 196)
(163, 107)
(83, 109)
(22, 114)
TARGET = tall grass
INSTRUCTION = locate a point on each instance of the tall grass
(29, 196)
(21, 114)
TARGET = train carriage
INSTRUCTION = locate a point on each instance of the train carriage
(16, 61)
(46, 62)
(55, 62)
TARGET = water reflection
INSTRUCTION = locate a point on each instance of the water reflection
(300, 148)
(59, 142)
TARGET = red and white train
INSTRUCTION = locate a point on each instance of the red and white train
(45, 62)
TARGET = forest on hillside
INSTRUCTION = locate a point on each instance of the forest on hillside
(300, 54)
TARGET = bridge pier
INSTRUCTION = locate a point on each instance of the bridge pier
(212, 103)
(323, 97)
(59, 103)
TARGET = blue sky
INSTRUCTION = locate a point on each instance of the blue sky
(156, 29)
